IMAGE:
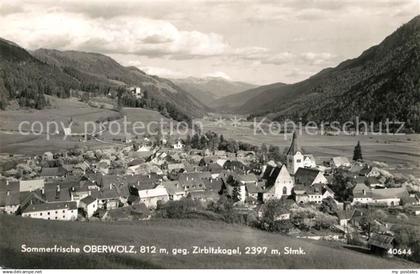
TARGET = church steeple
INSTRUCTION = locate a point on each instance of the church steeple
(294, 146)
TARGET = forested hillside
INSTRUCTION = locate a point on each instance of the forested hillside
(26, 78)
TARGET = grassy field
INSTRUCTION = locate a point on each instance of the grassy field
(400, 152)
(61, 110)
(169, 234)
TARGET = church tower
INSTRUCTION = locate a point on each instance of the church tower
(294, 155)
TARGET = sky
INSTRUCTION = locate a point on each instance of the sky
(256, 41)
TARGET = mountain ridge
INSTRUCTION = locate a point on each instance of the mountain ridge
(209, 89)
(383, 82)
(26, 76)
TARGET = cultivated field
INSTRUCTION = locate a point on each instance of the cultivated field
(169, 234)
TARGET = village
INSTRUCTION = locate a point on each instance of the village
(341, 200)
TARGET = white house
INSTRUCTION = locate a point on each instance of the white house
(150, 197)
(178, 145)
(312, 193)
(89, 205)
(174, 189)
(374, 172)
(388, 196)
(63, 211)
(337, 162)
(48, 156)
(362, 194)
(136, 91)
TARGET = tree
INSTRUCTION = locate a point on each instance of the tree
(357, 154)
(264, 148)
(329, 206)
(236, 193)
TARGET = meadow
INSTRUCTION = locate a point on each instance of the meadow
(63, 111)
(169, 234)
(400, 152)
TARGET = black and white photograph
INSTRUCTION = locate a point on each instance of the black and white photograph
(210, 134)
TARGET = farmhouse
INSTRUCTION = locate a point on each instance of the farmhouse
(337, 162)
(151, 197)
(389, 196)
(82, 190)
(312, 193)
(345, 216)
(89, 205)
(64, 211)
(174, 189)
(47, 156)
(362, 194)
(373, 172)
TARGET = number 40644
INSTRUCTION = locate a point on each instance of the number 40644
(399, 251)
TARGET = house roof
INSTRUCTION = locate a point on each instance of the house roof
(254, 188)
(29, 196)
(247, 177)
(340, 161)
(186, 178)
(57, 192)
(214, 168)
(306, 176)
(270, 174)
(361, 190)
(156, 192)
(173, 187)
(52, 172)
(30, 185)
(382, 241)
(51, 206)
(318, 189)
(88, 200)
(234, 165)
(388, 193)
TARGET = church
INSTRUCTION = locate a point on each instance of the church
(279, 181)
(295, 157)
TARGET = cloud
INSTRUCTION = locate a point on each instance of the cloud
(218, 74)
(9, 8)
(162, 72)
(128, 35)
(263, 55)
